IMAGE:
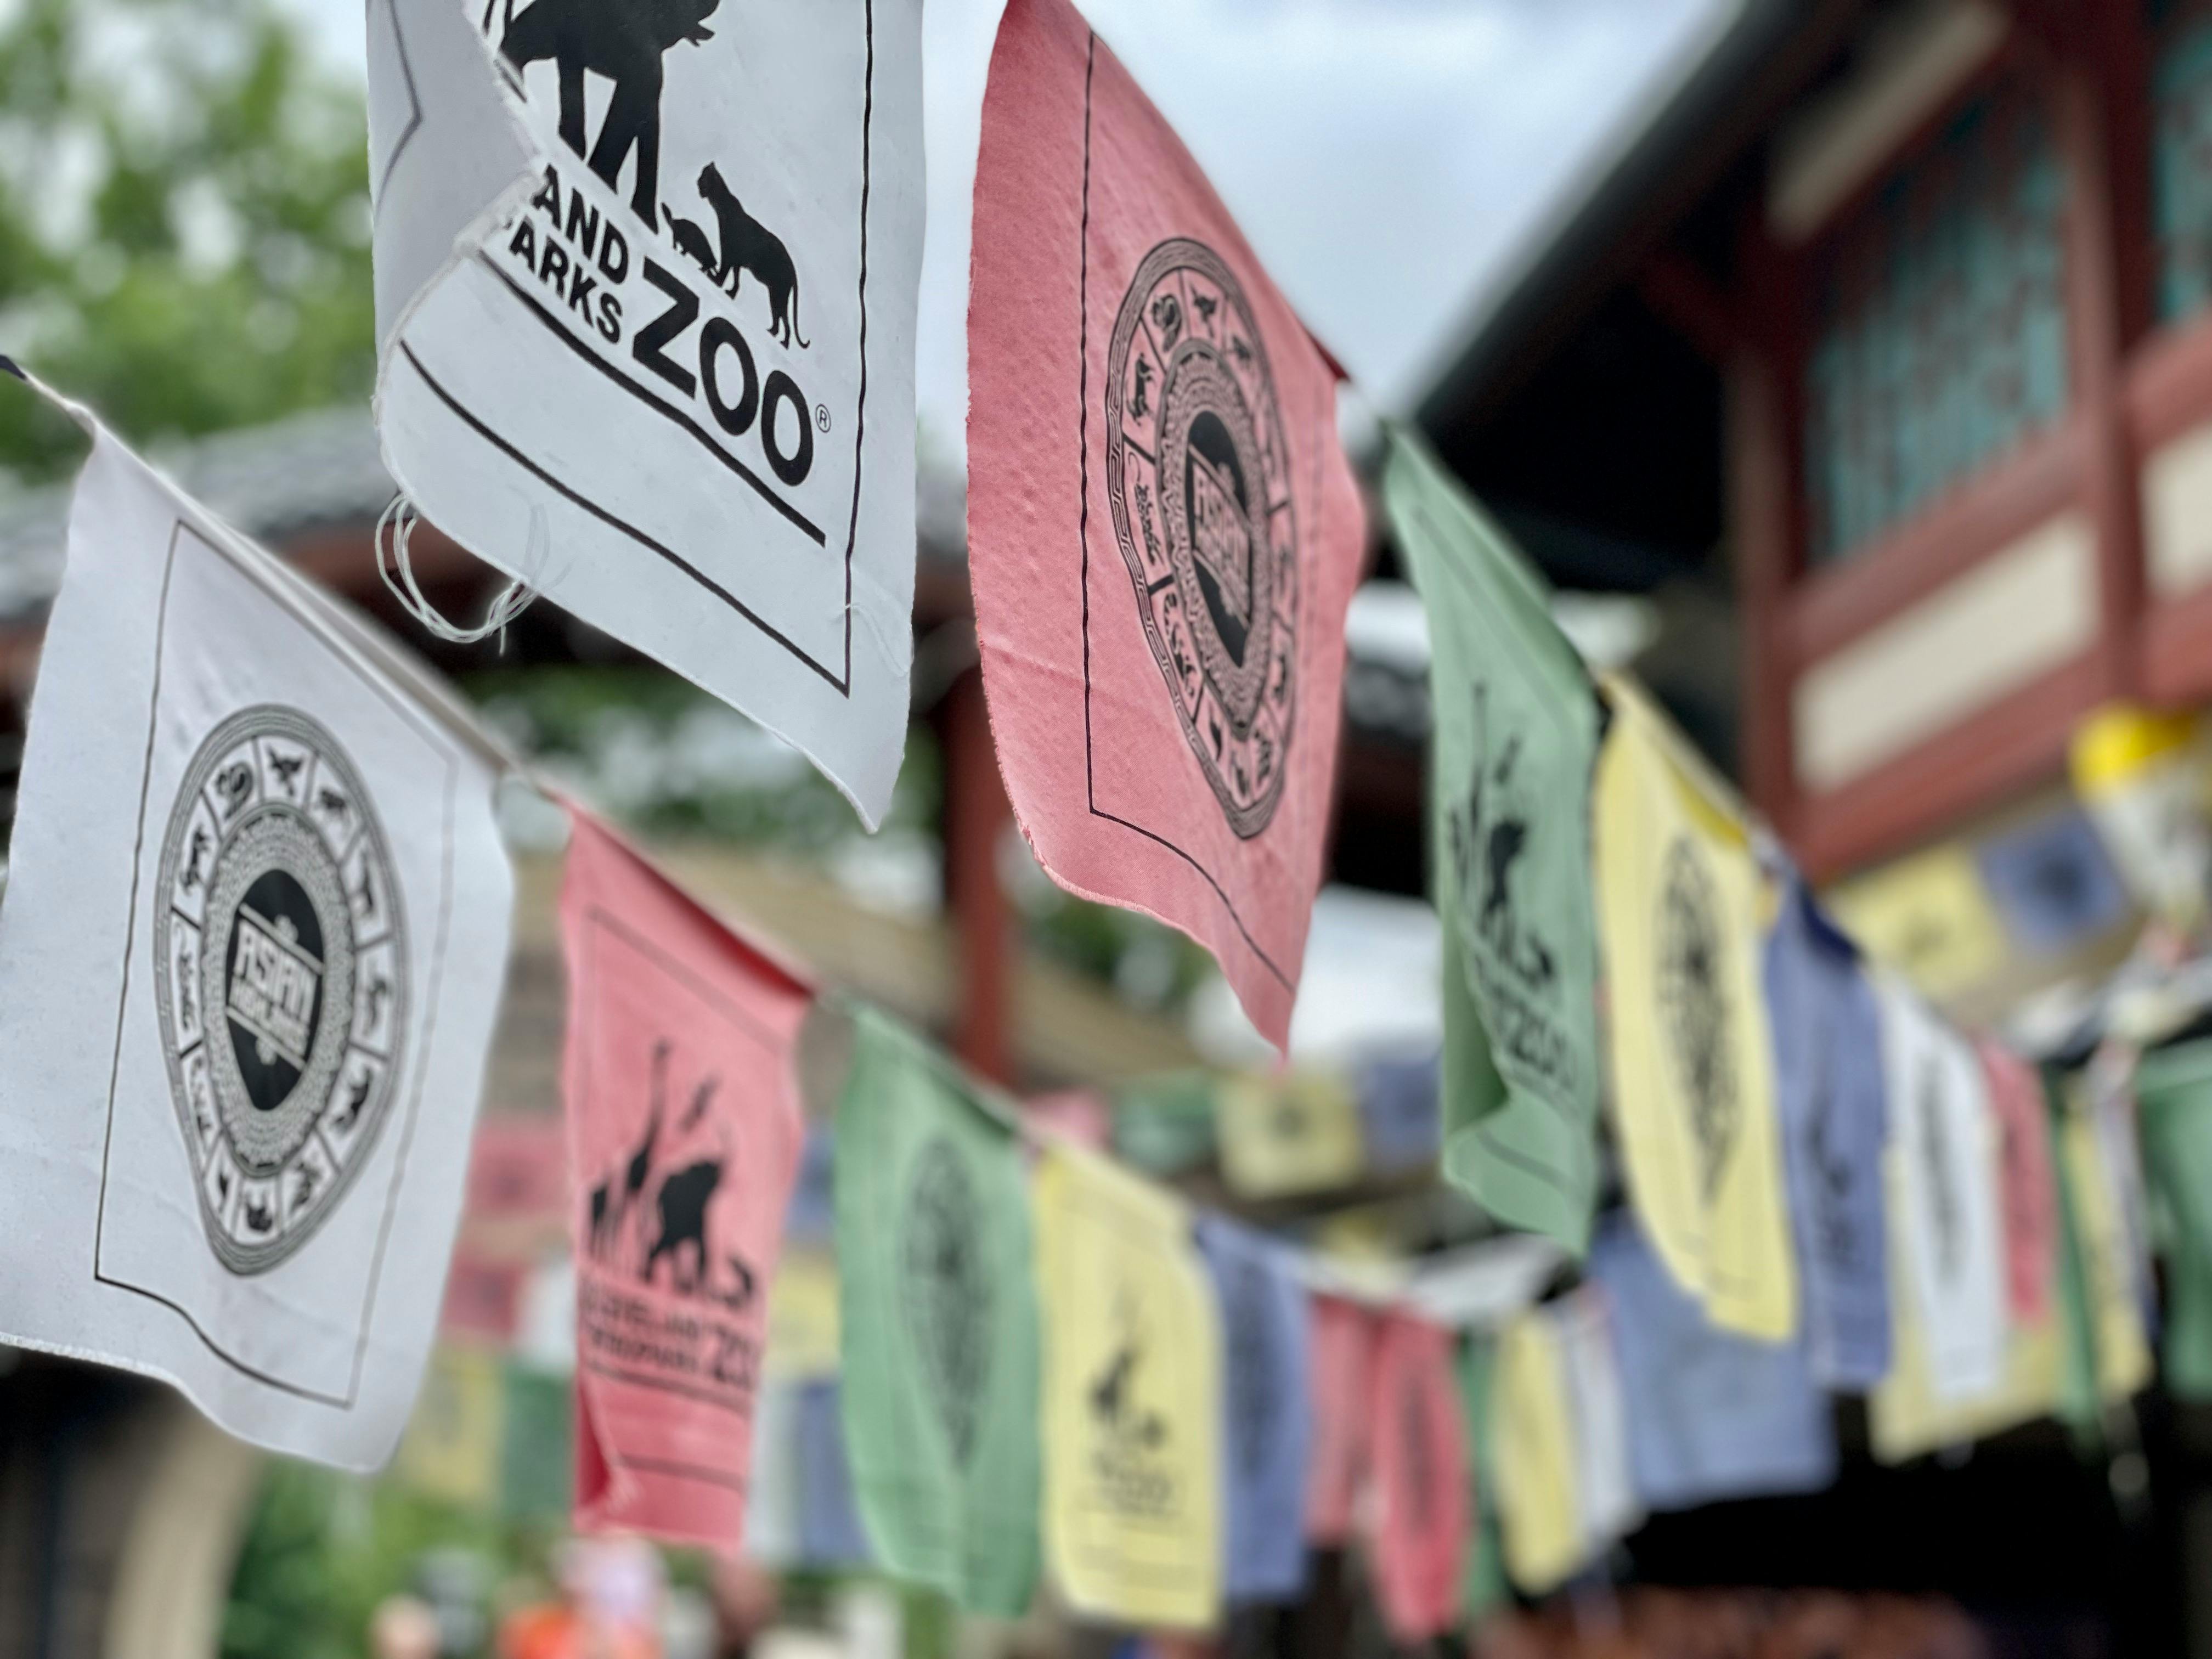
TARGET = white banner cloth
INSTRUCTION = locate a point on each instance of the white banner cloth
(1944, 1149)
(645, 279)
(254, 934)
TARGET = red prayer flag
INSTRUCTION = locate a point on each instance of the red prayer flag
(684, 1133)
(1421, 1482)
(2028, 1188)
(1163, 530)
(1343, 1341)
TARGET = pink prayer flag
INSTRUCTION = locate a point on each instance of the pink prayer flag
(1163, 530)
(1343, 1344)
(1421, 1480)
(2027, 1185)
(684, 1133)
(1083, 1116)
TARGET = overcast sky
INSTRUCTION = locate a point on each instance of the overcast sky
(1388, 158)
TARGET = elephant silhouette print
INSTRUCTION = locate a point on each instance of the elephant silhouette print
(642, 1215)
(626, 42)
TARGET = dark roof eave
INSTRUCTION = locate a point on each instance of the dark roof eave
(1766, 57)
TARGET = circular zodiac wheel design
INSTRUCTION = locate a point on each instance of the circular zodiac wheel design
(280, 978)
(1694, 1007)
(1197, 475)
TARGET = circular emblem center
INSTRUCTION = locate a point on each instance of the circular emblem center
(948, 1292)
(280, 980)
(1198, 476)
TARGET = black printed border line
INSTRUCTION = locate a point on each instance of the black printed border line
(600, 921)
(1083, 427)
(346, 1401)
(841, 681)
(413, 109)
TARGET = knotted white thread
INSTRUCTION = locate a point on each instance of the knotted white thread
(400, 519)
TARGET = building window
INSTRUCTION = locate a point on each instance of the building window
(1938, 337)
(2181, 159)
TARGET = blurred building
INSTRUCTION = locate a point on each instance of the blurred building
(1893, 324)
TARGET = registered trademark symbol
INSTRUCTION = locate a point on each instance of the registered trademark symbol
(821, 417)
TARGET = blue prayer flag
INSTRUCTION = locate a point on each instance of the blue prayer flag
(1266, 1413)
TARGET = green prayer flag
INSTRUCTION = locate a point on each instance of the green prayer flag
(938, 1325)
(1483, 1584)
(1164, 1125)
(1514, 723)
(2173, 1098)
(2078, 1406)
(535, 1461)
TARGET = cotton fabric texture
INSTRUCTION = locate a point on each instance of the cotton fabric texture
(1342, 1370)
(1533, 1443)
(1423, 1485)
(1266, 1411)
(2174, 1094)
(1605, 1502)
(684, 1136)
(1835, 1110)
(1678, 897)
(1711, 1416)
(1163, 531)
(1516, 738)
(940, 1326)
(1944, 1140)
(254, 940)
(654, 356)
(2028, 1190)
(1132, 1397)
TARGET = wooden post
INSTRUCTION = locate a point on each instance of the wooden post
(976, 818)
(2095, 318)
(1764, 515)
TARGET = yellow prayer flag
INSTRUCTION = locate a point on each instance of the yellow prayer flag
(1906, 1416)
(1680, 898)
(1532, 1447)
(803, 1334)
(455, 1439)
(1132, 1397)
(1289, 1134)
(2108, 1258)
(1929, 916)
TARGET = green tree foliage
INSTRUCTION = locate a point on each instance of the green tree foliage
(184, 220)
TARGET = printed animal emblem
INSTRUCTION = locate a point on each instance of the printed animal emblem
(1167, 317)
(624, 41)
(1485, 851)
(691, 242)
(334, 806)
(364, 893)
(747, 245)
(1113, 1401)
(357, 1088)
(260, 1215)
(611, 1206)
(682, 1202)
(196, 860)
(286, 769)
(1693, 973)
(234, 783)
(1837, 1229)
(378, 993)
(744, 1284)
(1940, 1169)
(307, 1184)
(1140, 402)
(188, 1006)
(1207, 305)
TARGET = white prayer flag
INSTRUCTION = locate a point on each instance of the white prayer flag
(646, 281)
(1949, 1231)
(254, 934)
